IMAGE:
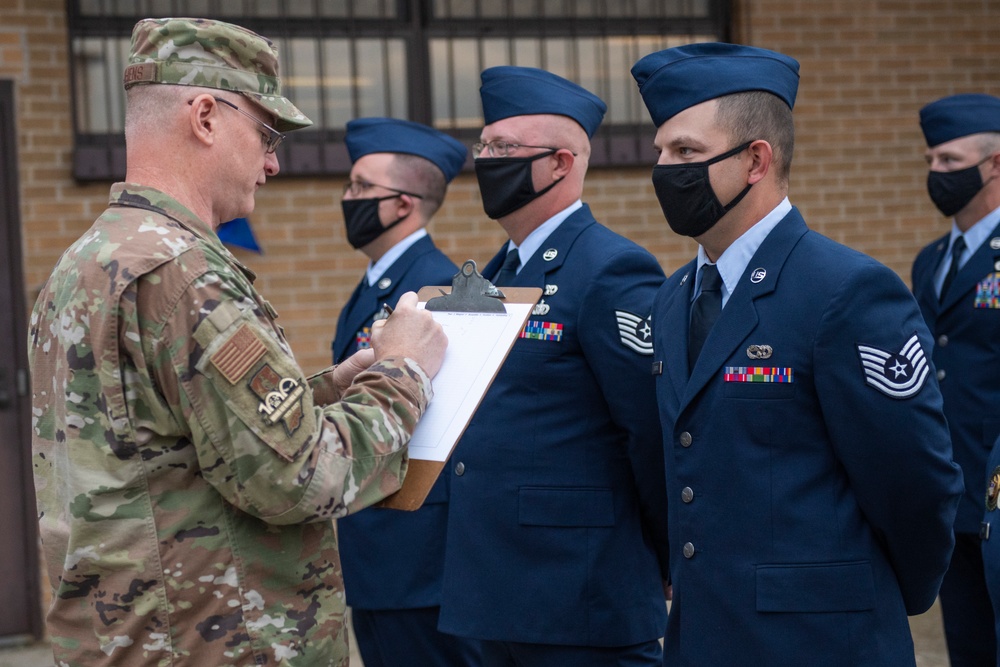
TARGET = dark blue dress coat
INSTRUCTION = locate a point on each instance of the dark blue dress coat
(966, 330)
(989, 495)
(556, 529)
(393, 559)
(807, 517)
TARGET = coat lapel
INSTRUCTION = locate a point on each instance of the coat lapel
(543, 262)
(982, 262)
(367, 300)
(739, 317)
(351, 319)
(554, 250)
(676, 309)
(926, 294)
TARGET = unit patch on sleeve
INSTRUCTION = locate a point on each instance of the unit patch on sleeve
(280, 398)
(635, 332)
(896, 374)
(238, 354)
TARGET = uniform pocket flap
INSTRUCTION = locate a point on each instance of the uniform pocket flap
(820, 587)
(573, 507)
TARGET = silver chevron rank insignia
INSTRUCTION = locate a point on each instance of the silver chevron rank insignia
(635, 332)
(896, 374)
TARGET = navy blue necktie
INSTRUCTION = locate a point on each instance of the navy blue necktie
(956, 252)
(704, 311)
(509, 269)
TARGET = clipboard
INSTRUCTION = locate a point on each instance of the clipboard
(482, 324)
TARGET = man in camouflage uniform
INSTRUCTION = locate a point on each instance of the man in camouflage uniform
(187, 472)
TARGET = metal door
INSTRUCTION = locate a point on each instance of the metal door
(19, 584)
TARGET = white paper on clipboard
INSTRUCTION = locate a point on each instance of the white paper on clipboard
(477, 346)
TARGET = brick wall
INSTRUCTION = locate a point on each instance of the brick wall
(858, 174)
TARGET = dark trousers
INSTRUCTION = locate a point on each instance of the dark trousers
(410, 638)
(965, 605)
(516, 654)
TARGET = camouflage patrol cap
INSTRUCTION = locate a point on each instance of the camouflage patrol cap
(211, 54)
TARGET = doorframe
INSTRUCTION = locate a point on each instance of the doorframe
(10, 223)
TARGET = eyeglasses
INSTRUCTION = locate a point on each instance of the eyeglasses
(501, 148)
(359, 186)
(271, 139)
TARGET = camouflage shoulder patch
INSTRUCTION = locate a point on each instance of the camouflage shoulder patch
(280, 398)
(238, 354)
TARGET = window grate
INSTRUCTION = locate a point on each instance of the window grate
(416, 59)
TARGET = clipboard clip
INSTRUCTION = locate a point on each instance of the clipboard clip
(470, 293)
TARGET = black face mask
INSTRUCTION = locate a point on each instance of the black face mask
(951, 191)
(686, 195)
(362, 221)
(506, 184)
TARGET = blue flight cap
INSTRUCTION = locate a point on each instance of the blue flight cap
(390, 135)
(959, 116)
(673, 80)
(522, 91)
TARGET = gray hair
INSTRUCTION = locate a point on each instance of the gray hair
(420, 176)
(754, 115)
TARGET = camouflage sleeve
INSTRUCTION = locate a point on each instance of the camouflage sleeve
(262, 440)
(324, 390)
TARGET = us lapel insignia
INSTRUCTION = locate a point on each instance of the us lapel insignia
(995, 243)
(384, 283)
(758, 275)
(896, 374)
(759, 351)
(635, 332)
(684, 278)
(550, 254)
(280, 398)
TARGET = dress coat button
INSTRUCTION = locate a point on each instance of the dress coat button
(459, 468)
(687, 494)
(941, 374)
(942, 340)
(686, 439)
(689, 550)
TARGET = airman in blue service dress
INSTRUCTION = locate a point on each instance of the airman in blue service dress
(956, 280)
(556, 543)
(810, 485)
(392, 560)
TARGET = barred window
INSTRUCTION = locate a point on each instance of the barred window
(415, 59)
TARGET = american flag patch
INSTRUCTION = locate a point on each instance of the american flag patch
(364, 338)
(757, 374)
(988, 292)
(635, 332)
(238, 354)
(538, 330)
